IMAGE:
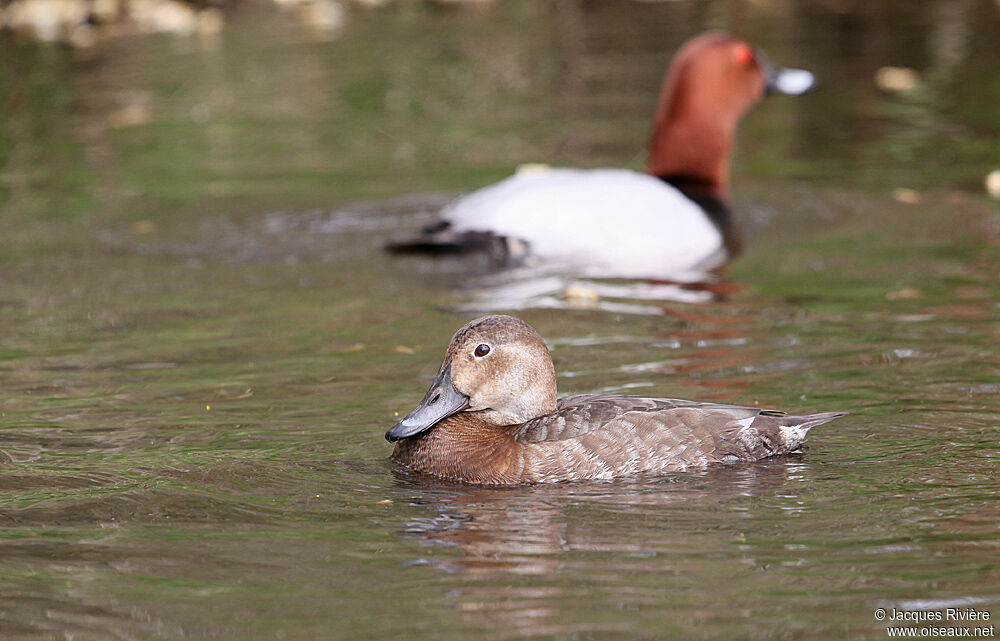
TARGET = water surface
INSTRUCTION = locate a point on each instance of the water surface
(201, 343)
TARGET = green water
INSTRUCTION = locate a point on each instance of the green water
(201, 343)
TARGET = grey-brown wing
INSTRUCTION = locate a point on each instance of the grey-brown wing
(664, 435)
(687, 431)
(583, 413)
(703, 434)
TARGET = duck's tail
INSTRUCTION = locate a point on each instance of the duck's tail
(793, 429)
(806, 423)
(442, 239)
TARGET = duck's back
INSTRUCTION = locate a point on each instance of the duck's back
(618, 222)
(602, 437)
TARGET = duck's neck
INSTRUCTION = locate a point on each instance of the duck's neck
(692, 153)
(692, 133)
(465, 448)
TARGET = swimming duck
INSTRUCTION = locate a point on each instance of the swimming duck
(491, 417)
(673, 220)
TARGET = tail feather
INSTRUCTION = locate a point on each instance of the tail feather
(766, 433)
(793, 429)
(806, 423)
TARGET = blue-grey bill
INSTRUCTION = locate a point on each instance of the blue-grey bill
(787, 81)
(441, 401)
(790, 81)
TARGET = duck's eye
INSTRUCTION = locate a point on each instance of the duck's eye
(482, 350)
(743, 54)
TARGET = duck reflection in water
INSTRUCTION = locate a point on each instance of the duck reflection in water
(548, 531)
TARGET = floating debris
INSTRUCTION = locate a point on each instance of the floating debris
(143, 227)
(528, 168)
(581, 296)
(904, 293)
(993, 183)
(897, 79)
(129, 116)
(904, 195)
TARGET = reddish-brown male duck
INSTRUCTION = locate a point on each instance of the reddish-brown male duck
(671, 222)
(491, 417)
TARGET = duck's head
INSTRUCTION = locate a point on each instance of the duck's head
(497, 366)
(727, 75)
(714, 79)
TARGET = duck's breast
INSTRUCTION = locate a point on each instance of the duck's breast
(619, 222)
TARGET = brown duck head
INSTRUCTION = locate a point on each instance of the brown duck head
(496, 366)
(713, 81)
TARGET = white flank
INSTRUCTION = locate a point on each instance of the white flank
(614, 222)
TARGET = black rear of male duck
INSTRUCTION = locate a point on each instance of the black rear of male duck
(491, 417)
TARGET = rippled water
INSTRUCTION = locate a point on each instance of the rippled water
(201, 343)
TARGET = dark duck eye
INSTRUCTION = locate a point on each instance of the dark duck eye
(482, 350)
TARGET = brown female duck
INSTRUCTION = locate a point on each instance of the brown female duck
(491, 417)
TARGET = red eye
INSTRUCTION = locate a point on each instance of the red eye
(482, 350)
(743, 54)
